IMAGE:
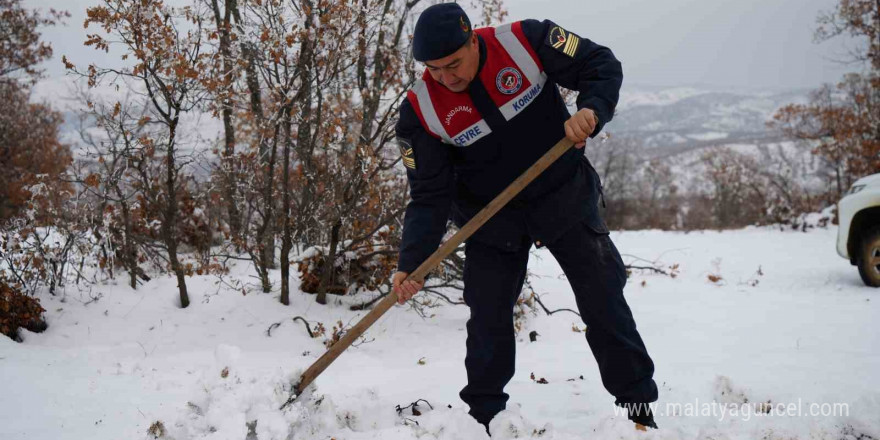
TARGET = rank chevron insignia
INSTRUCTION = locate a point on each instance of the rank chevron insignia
(406, 153)
(408, 159)
(563, 41)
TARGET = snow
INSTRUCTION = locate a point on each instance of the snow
(708, 136)
(632, 97)
(788, 322)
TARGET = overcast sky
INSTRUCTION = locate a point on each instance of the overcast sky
(757, 44)
(720, 43)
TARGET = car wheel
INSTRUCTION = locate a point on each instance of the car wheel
(869, 257)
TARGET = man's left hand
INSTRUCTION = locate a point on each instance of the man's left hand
(580, 126)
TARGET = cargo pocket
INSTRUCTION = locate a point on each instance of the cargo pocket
(606, 252)
(594, 220)
(596, 224)
(595, 180)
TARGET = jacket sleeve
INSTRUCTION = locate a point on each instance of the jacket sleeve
(583, 66)
(429, 171)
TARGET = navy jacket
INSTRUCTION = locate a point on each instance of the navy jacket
(456, 182)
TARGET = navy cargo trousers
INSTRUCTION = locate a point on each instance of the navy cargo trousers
(493, 279)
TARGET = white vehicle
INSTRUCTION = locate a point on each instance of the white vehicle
(858, 238)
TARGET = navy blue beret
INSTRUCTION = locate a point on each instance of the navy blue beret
(441, 30)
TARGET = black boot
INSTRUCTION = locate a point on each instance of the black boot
(641, 415)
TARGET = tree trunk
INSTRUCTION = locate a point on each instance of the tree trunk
(305, 144)
(169, 227)
(228, 157)
(285, 213)
(266, 235)
(128, 252)
(267, 231)
(329, 266)
(304, 98)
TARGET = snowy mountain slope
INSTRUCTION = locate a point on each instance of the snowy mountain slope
(789, 322)
(679, 126)
(677, 119)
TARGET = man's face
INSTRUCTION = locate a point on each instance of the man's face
(457, 70)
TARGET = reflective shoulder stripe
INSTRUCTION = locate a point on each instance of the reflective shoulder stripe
(428, 111)
(532, 71)
(520, 54)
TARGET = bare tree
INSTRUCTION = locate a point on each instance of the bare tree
(842, 124)
(166, 47)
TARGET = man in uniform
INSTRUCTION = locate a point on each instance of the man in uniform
(485, 109)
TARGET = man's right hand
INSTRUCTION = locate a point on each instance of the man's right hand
(403, 288)
(580, 126)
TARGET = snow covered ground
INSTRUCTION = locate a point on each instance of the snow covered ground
(788, 323)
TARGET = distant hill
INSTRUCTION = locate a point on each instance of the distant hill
(678, 126)
(669, 121)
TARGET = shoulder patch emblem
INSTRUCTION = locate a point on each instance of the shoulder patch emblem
(406, 153)
(563, 41)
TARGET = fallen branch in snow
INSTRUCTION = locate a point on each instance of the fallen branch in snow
(660, 271)
(368, 304)
(430, 290)
(306, 323)
(295, 318)
(672, 273)
(93, 299)
(363, 340)
(414, 406)
(655, 266)
(550, 312)
(444, 297)
(272, 327)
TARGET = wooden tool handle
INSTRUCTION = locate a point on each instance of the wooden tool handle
(434, 260)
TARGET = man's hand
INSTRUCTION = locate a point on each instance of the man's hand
(580, 126)
(404, 289)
